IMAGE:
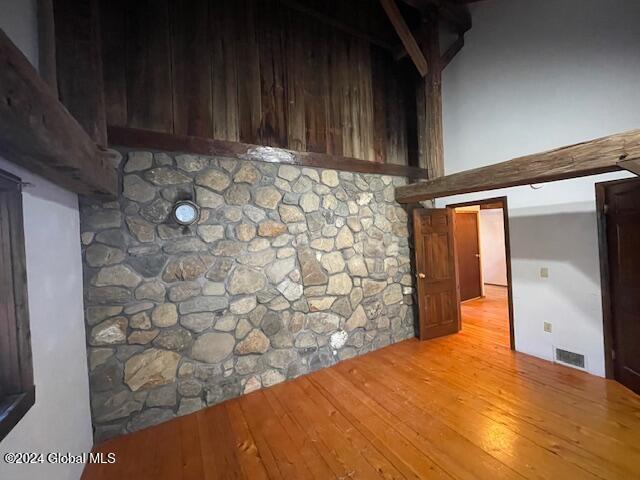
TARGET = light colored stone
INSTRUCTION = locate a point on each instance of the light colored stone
(329, 202)
(213, 179)
(270, 228)
(151, 368)
(117, 275)
(318, 304)
(190, 405)
(109, 332)
(288, 172)
(392, 294)
(291, 214)
(151, 291)
(245, 280)
(323, 322)
(344, 238)
(213, 289)
(323, 244)
(272, 377)
(163, 176)
(247, 173)
(101, 255)
(142, 337)
(357, 267)
(312, 272)
(207, 199)
(211, 233)
(243, 305)
(372, 287)
(227, 323)
(198, 322)
(258, 245)
(187, 268)
(138, 161)
(330, 178)
(212, 347)
(254, 342)
(136, 189)
(268, 197)
(245, 232)
(279, 269)
(332, 262)
(310, 202)
(358, 319)
(339, 284)
(290, 290)
(253, 384)
(191, 163)
(338, 339)
(164, 315)
(237, 194)
(142, 230)
(204, 304)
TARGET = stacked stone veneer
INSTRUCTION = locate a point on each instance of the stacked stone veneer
(288, 270)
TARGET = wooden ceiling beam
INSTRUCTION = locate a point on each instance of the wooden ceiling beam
(602, 155)
(406, 37)
(456, 15)
(38, 133)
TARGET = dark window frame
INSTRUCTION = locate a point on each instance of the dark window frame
(17, 390)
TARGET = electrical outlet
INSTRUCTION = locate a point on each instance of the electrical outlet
(544, 272)
(547, 327)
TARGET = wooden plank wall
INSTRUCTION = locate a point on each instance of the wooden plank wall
(260, 72)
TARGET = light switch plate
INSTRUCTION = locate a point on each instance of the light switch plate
(544, 272)
(547, 327)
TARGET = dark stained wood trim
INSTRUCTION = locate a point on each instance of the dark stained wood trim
(38, 133)
(145, 139)
(457, 16)
(79, 64)
(502, 202)
(451, 52)
(13, 408)
(593, 157)
(47, 44)
(338, 25)
(404, 33)
(632, 166)
(605, 272)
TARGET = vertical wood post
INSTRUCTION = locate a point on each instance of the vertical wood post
(429, 98)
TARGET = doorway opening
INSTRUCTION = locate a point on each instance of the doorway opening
(618, 208)
(481, 236)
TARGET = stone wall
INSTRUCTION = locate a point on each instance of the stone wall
(288, 270)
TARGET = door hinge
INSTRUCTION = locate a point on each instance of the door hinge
(613, 354)
(605, 208)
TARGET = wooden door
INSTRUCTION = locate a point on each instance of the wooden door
(468, 250)
(437, 282)
(623, 239)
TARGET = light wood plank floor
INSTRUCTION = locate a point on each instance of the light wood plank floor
(463, 407)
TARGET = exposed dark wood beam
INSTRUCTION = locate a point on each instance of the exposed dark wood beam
(79, 64)
(47, 44)
(406, 37)
(457, 16)
(145, 139)
(588, 158)
(429, 98)
(452, 51)
(337, 24)
(632, 166)
(38, 133)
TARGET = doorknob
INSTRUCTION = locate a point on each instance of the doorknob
(477, 255)
(422, 275)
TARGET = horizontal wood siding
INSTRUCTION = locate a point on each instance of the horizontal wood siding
(258, 72)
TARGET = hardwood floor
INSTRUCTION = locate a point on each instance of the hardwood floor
(463, 406)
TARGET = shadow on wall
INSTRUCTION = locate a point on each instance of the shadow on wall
(565, 240)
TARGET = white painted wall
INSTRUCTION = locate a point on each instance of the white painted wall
(492, 246)
(60, 420)
(534, 76)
